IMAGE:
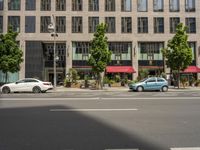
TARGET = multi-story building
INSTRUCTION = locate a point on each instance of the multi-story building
(137, 31)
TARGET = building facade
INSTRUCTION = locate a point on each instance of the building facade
(137, 31)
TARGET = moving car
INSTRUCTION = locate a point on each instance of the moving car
(150, 84)
(27, 85)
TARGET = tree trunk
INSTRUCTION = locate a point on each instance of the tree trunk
(178, 78)
(6, 77)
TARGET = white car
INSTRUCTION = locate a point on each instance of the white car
(27, 85)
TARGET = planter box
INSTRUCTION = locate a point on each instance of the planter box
(116, 84)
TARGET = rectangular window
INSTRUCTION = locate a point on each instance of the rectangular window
(14, 21)
(77, 25)
(110, 21)
(80, 50)
(77, 5)
(45, 5)
(142, 5)
(93, 5)
(191, 24)
(174, 21)
(174, 5)
(109, 5)
(44, 22)
(158, 5)
(1, 4)
(92, 24)
(126, 25)
(14, 4)
(126, 5)
(30, 4)
(60, 5)
(29, 24)
(190, 6)
(192, 45)
(61, 24)
(158, 25)
(1, 24)
(142, 25)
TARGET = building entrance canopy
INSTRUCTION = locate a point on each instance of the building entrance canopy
(120, 69)
(192, 69)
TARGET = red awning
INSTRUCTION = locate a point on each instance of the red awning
(121, 69)
(192, 69)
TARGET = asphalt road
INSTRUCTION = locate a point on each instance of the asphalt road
(100, 121)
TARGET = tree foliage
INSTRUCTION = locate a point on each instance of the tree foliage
(100, 55)
(10, 53)
(178, 52)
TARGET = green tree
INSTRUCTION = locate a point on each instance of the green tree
(178, 52)
(10, 53)
(100, 55)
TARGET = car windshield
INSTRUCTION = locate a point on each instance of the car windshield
(143, 80)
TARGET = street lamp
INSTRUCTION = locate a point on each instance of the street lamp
(52, 30)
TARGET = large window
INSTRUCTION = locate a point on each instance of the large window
(1, 24)
(109, 5)
(92, 24)
(190, 5)
(45, 5)
(158, 25)
(61, 24)
(80, 50)
(44, 22)
(158, 5)
(60, 5)
(110, 21)
(142, 25)
(29, 24)
(1, 4)
(14, 21)
(126, 5)
(14, 4)
(191, 24)
(93, 5)
(30, 4)
(192, 45)
(142, 5)
(174, 5)
(77, 25)
(77, 5)
(126, 24)
(174, 21)
(150, 50)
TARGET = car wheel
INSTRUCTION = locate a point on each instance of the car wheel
(164, 88)
(6, 90)
(139, 88)
(36, 89)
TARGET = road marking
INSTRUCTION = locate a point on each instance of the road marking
(89, 110)
(186, 148)
(121, 149)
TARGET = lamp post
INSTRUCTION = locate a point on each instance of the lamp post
(52, 30)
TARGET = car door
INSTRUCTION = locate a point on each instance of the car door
(19, 86)
(151, 84)
(160, 83)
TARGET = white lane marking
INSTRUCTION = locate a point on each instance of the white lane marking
(121, 149)
(98, 109)
(186, 148)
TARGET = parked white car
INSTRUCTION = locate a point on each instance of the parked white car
(27, 85)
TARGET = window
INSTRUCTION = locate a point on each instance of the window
(60, 5)
(76, 5)
(126, 25)
(173, 24)
(1, 4)
(192, 45)
(190, 5)
(92, 24)
(110, 21)
(29, 24)
(93, 5)
(158, 25)
(44, 22)
(174, 5)
(77, 25)
(191, 24)
(80, 50)
(109, 5)
(61, 24)
(142, 5)
(158, 5)
(14, 4)
(151, 80)
(45, 5)
(142, 25)
(30, 4)
(126, 5)
(1, 24)
(14, 21)
(160, 80)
